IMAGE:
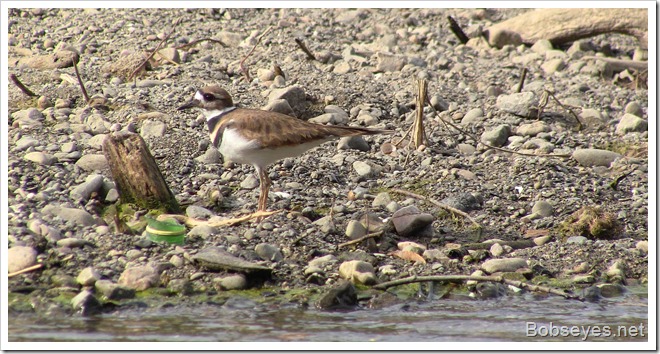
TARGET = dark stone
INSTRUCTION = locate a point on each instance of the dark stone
(490, 290)
(409, 221)
(342, 296)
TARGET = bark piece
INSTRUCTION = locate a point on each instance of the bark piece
(136, 173)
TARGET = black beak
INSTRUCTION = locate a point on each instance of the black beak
(190, 104)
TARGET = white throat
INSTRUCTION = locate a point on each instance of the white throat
(212, 113)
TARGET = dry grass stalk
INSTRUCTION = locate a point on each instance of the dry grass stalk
(419, 136)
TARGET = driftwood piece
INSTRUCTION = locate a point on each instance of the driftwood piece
(136, 173)
(561, 26)
(622, 64)
(192, 222)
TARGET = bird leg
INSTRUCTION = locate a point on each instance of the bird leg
(264, 184)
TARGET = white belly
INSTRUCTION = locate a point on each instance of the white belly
(238, 149)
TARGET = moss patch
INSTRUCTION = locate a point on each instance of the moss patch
(592, 222)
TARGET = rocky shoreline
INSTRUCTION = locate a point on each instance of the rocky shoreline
(568, 210)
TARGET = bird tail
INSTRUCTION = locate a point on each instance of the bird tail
(352, 131)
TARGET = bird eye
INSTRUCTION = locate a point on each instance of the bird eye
(208, 97)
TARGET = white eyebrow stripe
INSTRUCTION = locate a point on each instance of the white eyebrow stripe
(199, 96)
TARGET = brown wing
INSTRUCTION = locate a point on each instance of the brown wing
(277, 129)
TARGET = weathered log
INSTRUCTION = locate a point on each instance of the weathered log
(561, 26)
(618, 65)
(136, 174)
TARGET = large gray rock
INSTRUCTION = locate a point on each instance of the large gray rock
(358, 272)
(113, 291)
(88, 276)
(503, 265)
(595, 157)
(389, 63)
(475, 115)
(533, 129)
(523, 104)
(268, 252)
(93, 162)
(215, 258)
(41, 158)
(631, 123)
(295, 95)
(409, 221)
(366, 169)
(497, 136)
(82, 192)
(20, 257)
(78, 216)
(342, 295)
(353, 143)
(86, 303)
(97, 124)
(279, 105)
(232, 282)
(140, 277)
(25, 142)
(152, 129)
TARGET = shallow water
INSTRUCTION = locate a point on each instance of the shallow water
(512, 318)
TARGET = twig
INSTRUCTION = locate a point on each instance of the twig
(494, 279)
(278, 71)
(80, 82)
(438, 204)
(495, 147)
(614, 184)
(201, 40)
(243, 69)
(155, 50)
(25, 270)
(521, 83)
(167, 59)
(404, 135)
(192, 222)
(419, 136)
(303, 47)
(20, 85)
(456, 29)
(358, 240)
(544, 102)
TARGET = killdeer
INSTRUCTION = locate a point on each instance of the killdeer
(260, 138)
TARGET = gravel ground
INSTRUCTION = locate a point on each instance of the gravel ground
(368, 63)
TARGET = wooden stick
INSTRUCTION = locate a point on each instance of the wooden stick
(201, 40)
(192, 222)
(243, 69)
(494, 147)
(25, 270)
(358, 240)
(154, 51)
(523, 73)
(494, 279)
(80, 82)
(303, 47)
(418, 131)
(20, 85)
(621, 64)
(437, 203)
(456, 29)
(167, 59)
